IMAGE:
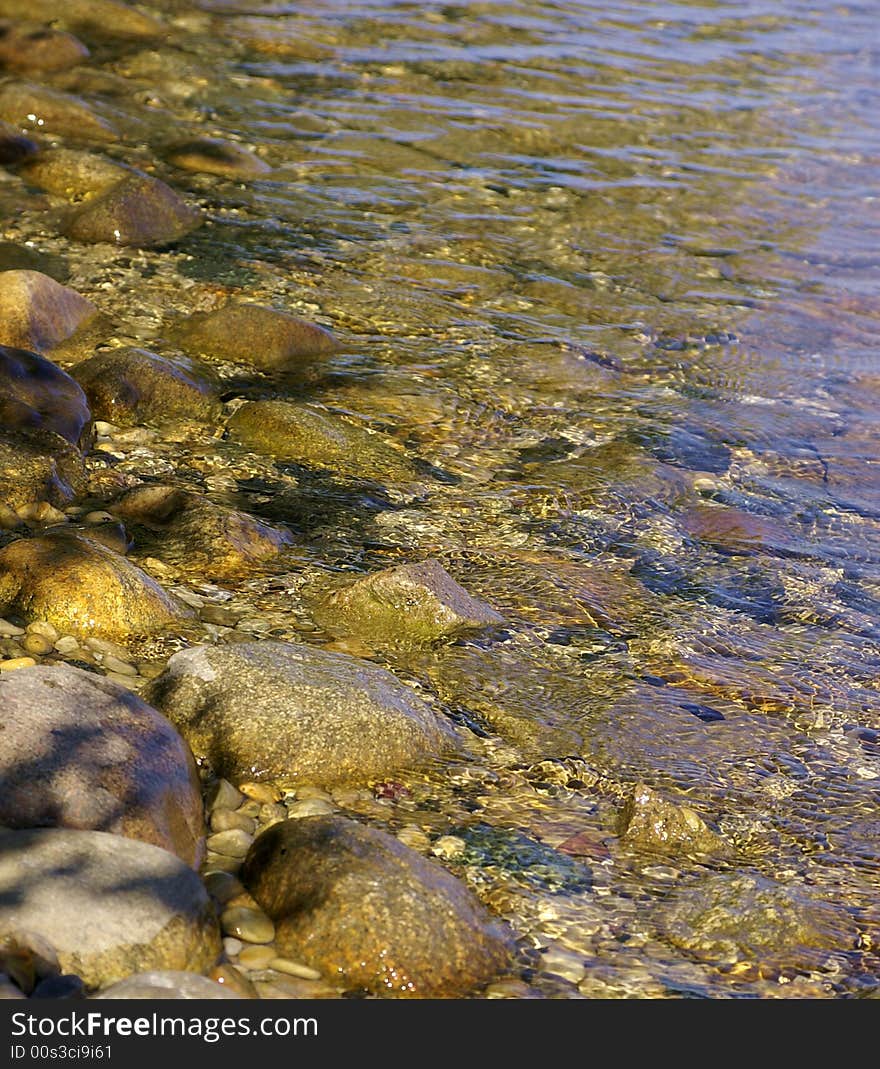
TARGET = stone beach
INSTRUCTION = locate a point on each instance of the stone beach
(385, 609)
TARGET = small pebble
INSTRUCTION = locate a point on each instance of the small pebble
(223, 886)
(123, 680)
(294, 968)
(261, 792)
(107, 648)
(232, 843)
(104, 429)
(449, 847)
(9, 518)
(255, 956)
(309, 807)
(98, 517)
(150, 670)
(222, 795)
(41, 512)
(227, 820)
(250, 925)
(16, 662)
(221, 863)
(38, 645)
(66, 644)
(122, 668)
(44, 628)
(218, 614)
(249, 808)
(232, 946)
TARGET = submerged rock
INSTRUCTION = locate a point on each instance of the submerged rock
(212, 155)
(360, 907)
(291, 713)
(138, 210)
(105, 18)
(79, 751)
(315, 438)
(730, 530)
(83, 588)
(188, 530)
(72, 173)
(28, 46)
(34, 107)
(131, 386)
(37, 466)
(14, 146)
(168, 983)
(653, 823)
(265, 338)
(109, 906)
(37, 313)
(36, 394)
(412, 604)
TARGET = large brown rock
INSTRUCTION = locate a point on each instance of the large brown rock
(35, 107)
(139, 210)
(83, 588)
(291, 713)
(189, 531)
(72, 173)
(359, 906)
(410, 605)
(37, 313)
(108, 905)
(36, 394)
(79, 751)
(38, 465)
(130, 386)
(264, 338)
(28, 46)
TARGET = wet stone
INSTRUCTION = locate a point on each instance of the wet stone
(651, 822)
(249, 925)
(223, 820)
(104, 18)
(72, 173)
(139, 210)
(211, 155)
(223, 886)
(36, 394)
(14, 146)
(234, 842)
(167, 984)
(31, 47)
(35, 107)
(222, 795)
(37, 313)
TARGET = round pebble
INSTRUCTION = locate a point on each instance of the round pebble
(66, 644)
(313, 792)
(294, 968)
(250, 925)
(413, 837)
(44, 628)
(271, 813)
(221, 863)
(7, 629)
(39, 645)
(222, 795)
(232, 946)
(121, 668)
(98, 517)
(228, 820)
(256, 956)
(309, 807)
(261, 792)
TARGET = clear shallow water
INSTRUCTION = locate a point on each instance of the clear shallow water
(611, 269)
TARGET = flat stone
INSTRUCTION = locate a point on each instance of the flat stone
(233, 842)
(167, 984)
(292, 713)
(139, 210)
(213, 155)
(73, 173)
(83, 588)
(355, 904)
(412, 604)
(78, 751)
(37, 313)
(110, 906)
(35, 107)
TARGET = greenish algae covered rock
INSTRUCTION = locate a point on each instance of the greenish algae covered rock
(108, 905)
(291, 713)
(410, 605)
(315, 438)
(131, 386)
(265, 338)
(363, 909)
(653, 823)
(139, 210)
(83, 588)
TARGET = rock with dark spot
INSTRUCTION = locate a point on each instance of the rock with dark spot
(26, 46)
(83, 588)
(186, 529)
(79, 751)
(212, 155)
(110, 906)
(38, 395)
(37, 313)
(139, 210)
(34, 107)
(264, 338)
(290, 713)
(133, 386)
(73, 173)
(357, 905)
(410, 605)
(14, 146)
(315, 438)
(653, 823)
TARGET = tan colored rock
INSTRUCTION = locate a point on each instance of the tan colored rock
(139, 210)
(28, 46)
(83, 588)
(109, 906)
(37, 313)
(212, 155)
(35, 107)
(79, 751)
(357, 905)
(39, 466)
(251, 334)
(104, 18)
(72, 173)
(653, 823)
(132, 386)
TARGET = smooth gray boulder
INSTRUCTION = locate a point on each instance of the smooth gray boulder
(168, 983)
